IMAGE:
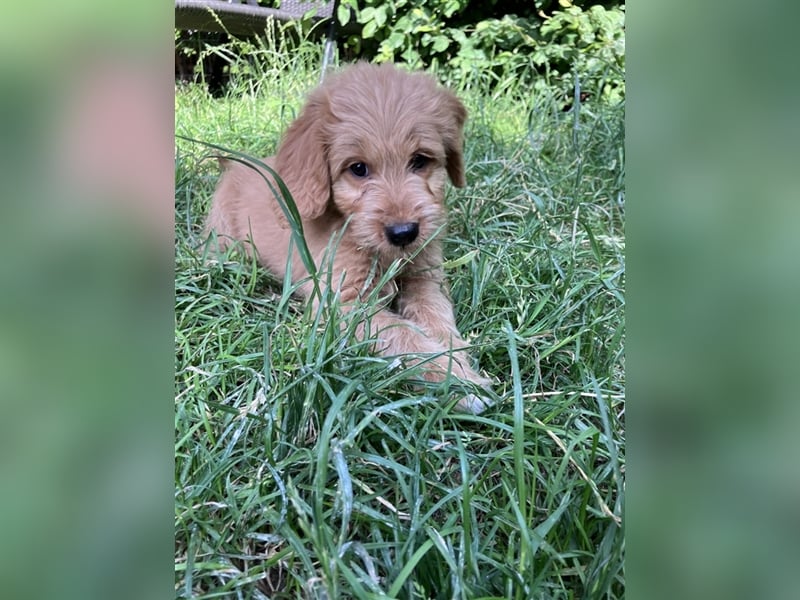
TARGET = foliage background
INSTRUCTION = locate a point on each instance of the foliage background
(542, 44)
(530, 39)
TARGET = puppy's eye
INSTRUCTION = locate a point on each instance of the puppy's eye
(359, 169)
(419, 162)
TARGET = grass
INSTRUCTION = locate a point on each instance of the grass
(307, 468)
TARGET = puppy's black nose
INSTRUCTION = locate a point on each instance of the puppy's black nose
(401, 234)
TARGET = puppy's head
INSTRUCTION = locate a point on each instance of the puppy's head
(376, 144)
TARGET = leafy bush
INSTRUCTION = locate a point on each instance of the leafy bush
(471, 37)
(540, 43)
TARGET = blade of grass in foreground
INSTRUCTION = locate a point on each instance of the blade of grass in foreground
(409, 567)
(519, 449)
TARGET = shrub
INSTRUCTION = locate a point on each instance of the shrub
(540, 44)
(471, 37)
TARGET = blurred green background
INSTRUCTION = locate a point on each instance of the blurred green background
(86, 357)
(713, 247)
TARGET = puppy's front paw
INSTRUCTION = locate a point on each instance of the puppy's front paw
(438, 370)
(466, 373)
(473, 404)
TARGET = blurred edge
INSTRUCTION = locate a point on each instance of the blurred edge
(714, 288)
(86, 343)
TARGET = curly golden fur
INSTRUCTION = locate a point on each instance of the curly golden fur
(370, 152)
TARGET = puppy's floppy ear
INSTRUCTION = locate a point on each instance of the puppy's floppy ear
(453, 137)
(302, 161)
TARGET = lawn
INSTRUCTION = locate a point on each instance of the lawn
(307, 468)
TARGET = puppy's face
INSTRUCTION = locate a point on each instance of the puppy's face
(383, 143)
(390, 186)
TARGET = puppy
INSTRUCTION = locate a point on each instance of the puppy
(366, 162)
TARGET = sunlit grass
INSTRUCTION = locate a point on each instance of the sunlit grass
(305, 467)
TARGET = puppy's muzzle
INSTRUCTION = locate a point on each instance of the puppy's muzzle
(401, 234)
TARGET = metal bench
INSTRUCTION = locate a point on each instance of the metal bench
(247, 17)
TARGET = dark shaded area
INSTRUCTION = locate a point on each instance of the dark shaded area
(211, 69)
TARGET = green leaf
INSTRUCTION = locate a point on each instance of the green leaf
(450, 7)
(343, 14)
(440, 43)
(395, 40)
(381, 15)
(367, 14)
(369, 30)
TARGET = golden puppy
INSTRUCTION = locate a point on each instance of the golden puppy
(368, 158)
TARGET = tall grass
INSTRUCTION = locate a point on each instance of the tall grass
(306, 467)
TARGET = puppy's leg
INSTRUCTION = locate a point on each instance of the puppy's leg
(399, 336)
(424, 304)
(425, 326)
(424, 301)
